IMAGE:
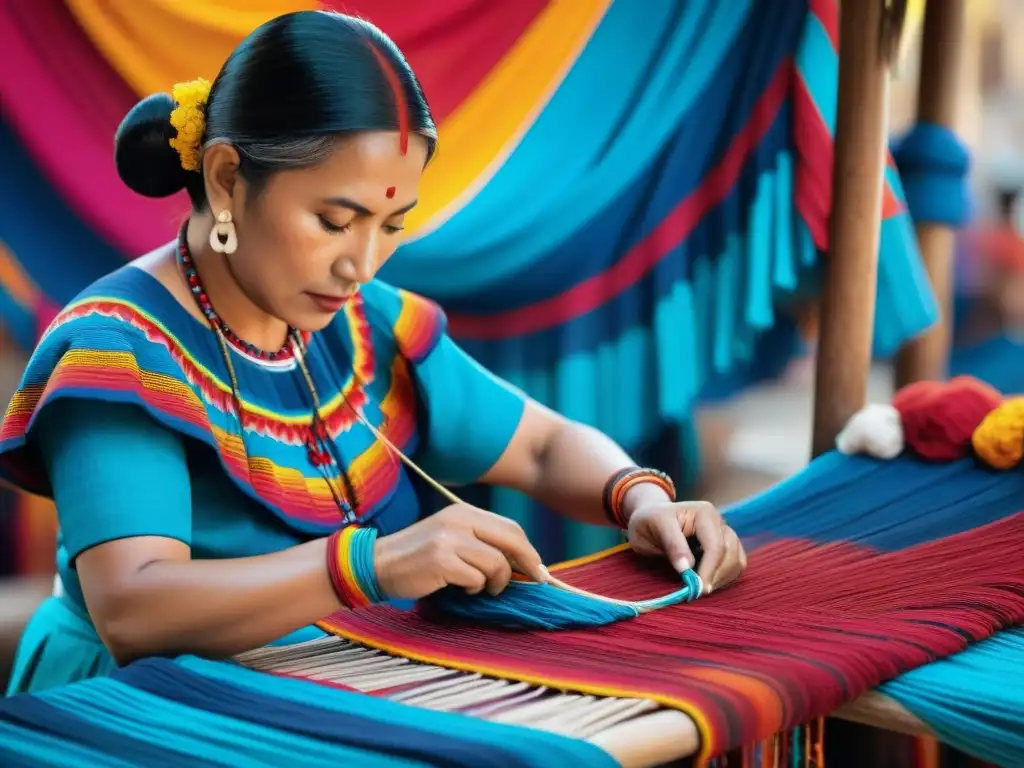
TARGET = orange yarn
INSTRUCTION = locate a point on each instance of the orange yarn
(939, 418)
(999, 439)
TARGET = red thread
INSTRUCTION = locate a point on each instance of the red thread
(399, 93)
(390, 193)
(940, 417)
(807, 627)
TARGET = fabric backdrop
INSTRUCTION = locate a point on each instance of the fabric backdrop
(628, 198)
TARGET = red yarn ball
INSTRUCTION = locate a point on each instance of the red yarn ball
(940, 417)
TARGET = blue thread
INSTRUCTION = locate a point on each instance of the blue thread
(361, 554)
(933, 165)
(527, 605)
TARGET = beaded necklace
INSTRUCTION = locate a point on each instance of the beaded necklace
(321, 449)
(195, 285)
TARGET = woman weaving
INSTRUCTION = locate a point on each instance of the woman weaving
(220, 421)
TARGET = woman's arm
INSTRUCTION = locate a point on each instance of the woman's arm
(565, 465)
(148, 598)
(123, 495)
(478, 427)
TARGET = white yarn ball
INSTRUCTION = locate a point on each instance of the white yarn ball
(875, 430)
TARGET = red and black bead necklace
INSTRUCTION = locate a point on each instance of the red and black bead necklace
(195, 285)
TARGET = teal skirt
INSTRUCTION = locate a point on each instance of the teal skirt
(59, 646)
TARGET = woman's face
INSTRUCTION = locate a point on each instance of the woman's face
(313, 235)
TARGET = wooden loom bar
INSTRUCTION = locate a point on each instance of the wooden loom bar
(851, 270)
(850, 273)
(942, 43)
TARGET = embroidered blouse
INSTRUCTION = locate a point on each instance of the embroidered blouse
(125, 416)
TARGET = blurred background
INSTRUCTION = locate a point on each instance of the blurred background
(627, 216)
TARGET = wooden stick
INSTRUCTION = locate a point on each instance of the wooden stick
(848, 296)
(879, 711)
(450, 496)
(942, 43)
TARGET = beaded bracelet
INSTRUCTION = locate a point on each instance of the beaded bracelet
(350, 564)
(618, 486)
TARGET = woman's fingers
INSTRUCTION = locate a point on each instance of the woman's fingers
(509, 537)
(490, 562)
(710, 532)
(459, 573)
(733, 563)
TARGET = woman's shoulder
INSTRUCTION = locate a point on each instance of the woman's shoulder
(414, 322)
(128, 300)
(123, 339)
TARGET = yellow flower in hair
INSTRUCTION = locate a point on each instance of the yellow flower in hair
(189, 117)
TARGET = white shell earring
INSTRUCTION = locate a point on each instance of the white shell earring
(223, 238)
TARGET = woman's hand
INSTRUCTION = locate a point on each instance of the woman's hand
(662, 528)
(460, 546)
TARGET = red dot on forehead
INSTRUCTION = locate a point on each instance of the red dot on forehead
(390, 192)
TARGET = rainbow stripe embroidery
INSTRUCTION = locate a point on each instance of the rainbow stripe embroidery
(113, 349)
(419, 327)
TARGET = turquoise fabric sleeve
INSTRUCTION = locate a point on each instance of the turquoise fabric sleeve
(115, 473)
(471, 414)
(468, 415)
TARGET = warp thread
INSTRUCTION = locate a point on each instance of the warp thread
(809, 643)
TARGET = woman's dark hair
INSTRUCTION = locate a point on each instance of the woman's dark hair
(283, 96)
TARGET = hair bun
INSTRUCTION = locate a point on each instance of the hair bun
(145, 160)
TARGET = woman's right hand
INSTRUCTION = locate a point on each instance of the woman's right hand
(461, 546)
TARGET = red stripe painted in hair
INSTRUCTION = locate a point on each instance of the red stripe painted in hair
(451, 45)
(401, 106)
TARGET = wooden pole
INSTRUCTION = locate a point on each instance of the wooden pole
(942, 43)
(850, 275)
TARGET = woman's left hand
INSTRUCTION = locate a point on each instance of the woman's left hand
(661, 529)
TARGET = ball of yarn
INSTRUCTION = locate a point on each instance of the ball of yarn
(999, 439)
(939, 418)
(875, 430)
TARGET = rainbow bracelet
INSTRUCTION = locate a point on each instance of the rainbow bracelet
(350, 564)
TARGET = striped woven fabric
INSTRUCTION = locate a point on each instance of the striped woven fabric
(663, 228)
(859, 571)
(162, 713)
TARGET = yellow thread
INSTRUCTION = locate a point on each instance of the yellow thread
(999, 439)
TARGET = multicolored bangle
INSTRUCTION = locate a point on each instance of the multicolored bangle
(618, 486)
(350, 564)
